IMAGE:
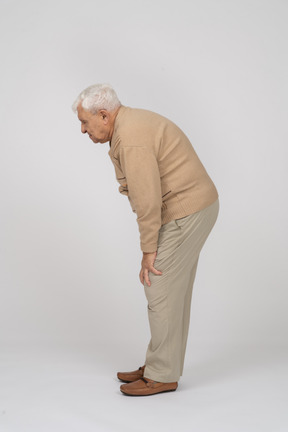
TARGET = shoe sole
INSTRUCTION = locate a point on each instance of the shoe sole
(151, 394)
(128, 381)
(125, 381)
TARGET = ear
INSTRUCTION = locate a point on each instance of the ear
(104, 114)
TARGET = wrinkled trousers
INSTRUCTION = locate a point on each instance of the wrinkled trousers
(169, 296)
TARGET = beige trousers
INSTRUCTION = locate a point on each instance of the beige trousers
(169, 296)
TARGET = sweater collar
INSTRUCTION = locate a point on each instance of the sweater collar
(115, 131)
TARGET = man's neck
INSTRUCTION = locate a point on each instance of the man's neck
(113, 118)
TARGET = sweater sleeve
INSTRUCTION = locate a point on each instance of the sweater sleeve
(140, 167)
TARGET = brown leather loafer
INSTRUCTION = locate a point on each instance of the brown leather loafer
(129, 377)
(147, 387)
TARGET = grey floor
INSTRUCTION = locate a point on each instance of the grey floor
(57, 389)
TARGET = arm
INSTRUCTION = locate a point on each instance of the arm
(140, 167)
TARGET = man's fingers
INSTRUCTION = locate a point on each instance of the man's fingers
(144, 273)
(157, 272)
(146, 277)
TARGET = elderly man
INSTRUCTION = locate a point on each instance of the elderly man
(176, 204)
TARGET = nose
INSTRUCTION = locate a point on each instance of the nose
(83, 129)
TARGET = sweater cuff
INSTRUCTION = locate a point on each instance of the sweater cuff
(149, 247)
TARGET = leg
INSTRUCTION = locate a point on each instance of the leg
(186, 313)
(169, 295)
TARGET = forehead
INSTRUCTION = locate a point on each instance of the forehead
(83, 114)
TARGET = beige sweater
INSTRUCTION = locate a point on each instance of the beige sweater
(159, 171)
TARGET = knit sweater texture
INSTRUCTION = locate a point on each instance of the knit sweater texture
(158, 170)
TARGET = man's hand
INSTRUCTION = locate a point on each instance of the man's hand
(148, 265)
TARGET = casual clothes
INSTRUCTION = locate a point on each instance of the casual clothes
(158, 170)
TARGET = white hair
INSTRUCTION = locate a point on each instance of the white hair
(97, 97)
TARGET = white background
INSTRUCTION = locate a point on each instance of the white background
(72, 304)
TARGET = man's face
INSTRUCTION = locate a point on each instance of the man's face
(97, 126)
